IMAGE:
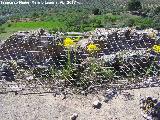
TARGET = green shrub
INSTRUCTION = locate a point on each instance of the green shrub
(35, 15)
(156, 23)
(157, 10)
(131, 22)
(134, 5)
(86, 29)
(96, 11)
(144, 23)
(2, 30)
(108, 73)
(9, 25)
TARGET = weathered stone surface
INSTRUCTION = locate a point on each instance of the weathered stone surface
(124, 49)
(27, 44)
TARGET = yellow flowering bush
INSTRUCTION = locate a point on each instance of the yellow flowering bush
(92, 48)
(156, 48)
(68, 42)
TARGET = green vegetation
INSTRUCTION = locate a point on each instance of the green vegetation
(82, 18)
(35, 25)
(134, 5)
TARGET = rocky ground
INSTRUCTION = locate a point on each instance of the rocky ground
(48, 107)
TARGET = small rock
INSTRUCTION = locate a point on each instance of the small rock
(97, 104)
(64, 95)
(109, 94)
(83, 93)
(154, 100)
(74, 116)
(149, 118)
(105, 99)
(14, 87)
(30, 78)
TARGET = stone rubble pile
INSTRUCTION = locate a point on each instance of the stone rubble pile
(32, 48)
(114, 40)
(130, 49)
(124, 49)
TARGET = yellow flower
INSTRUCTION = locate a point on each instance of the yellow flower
(68, 42)
(92, 47)
(156, 48)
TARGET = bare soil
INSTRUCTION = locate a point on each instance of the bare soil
(48, 107)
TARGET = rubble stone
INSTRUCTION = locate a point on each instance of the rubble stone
(74, 116)
(97, 104)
